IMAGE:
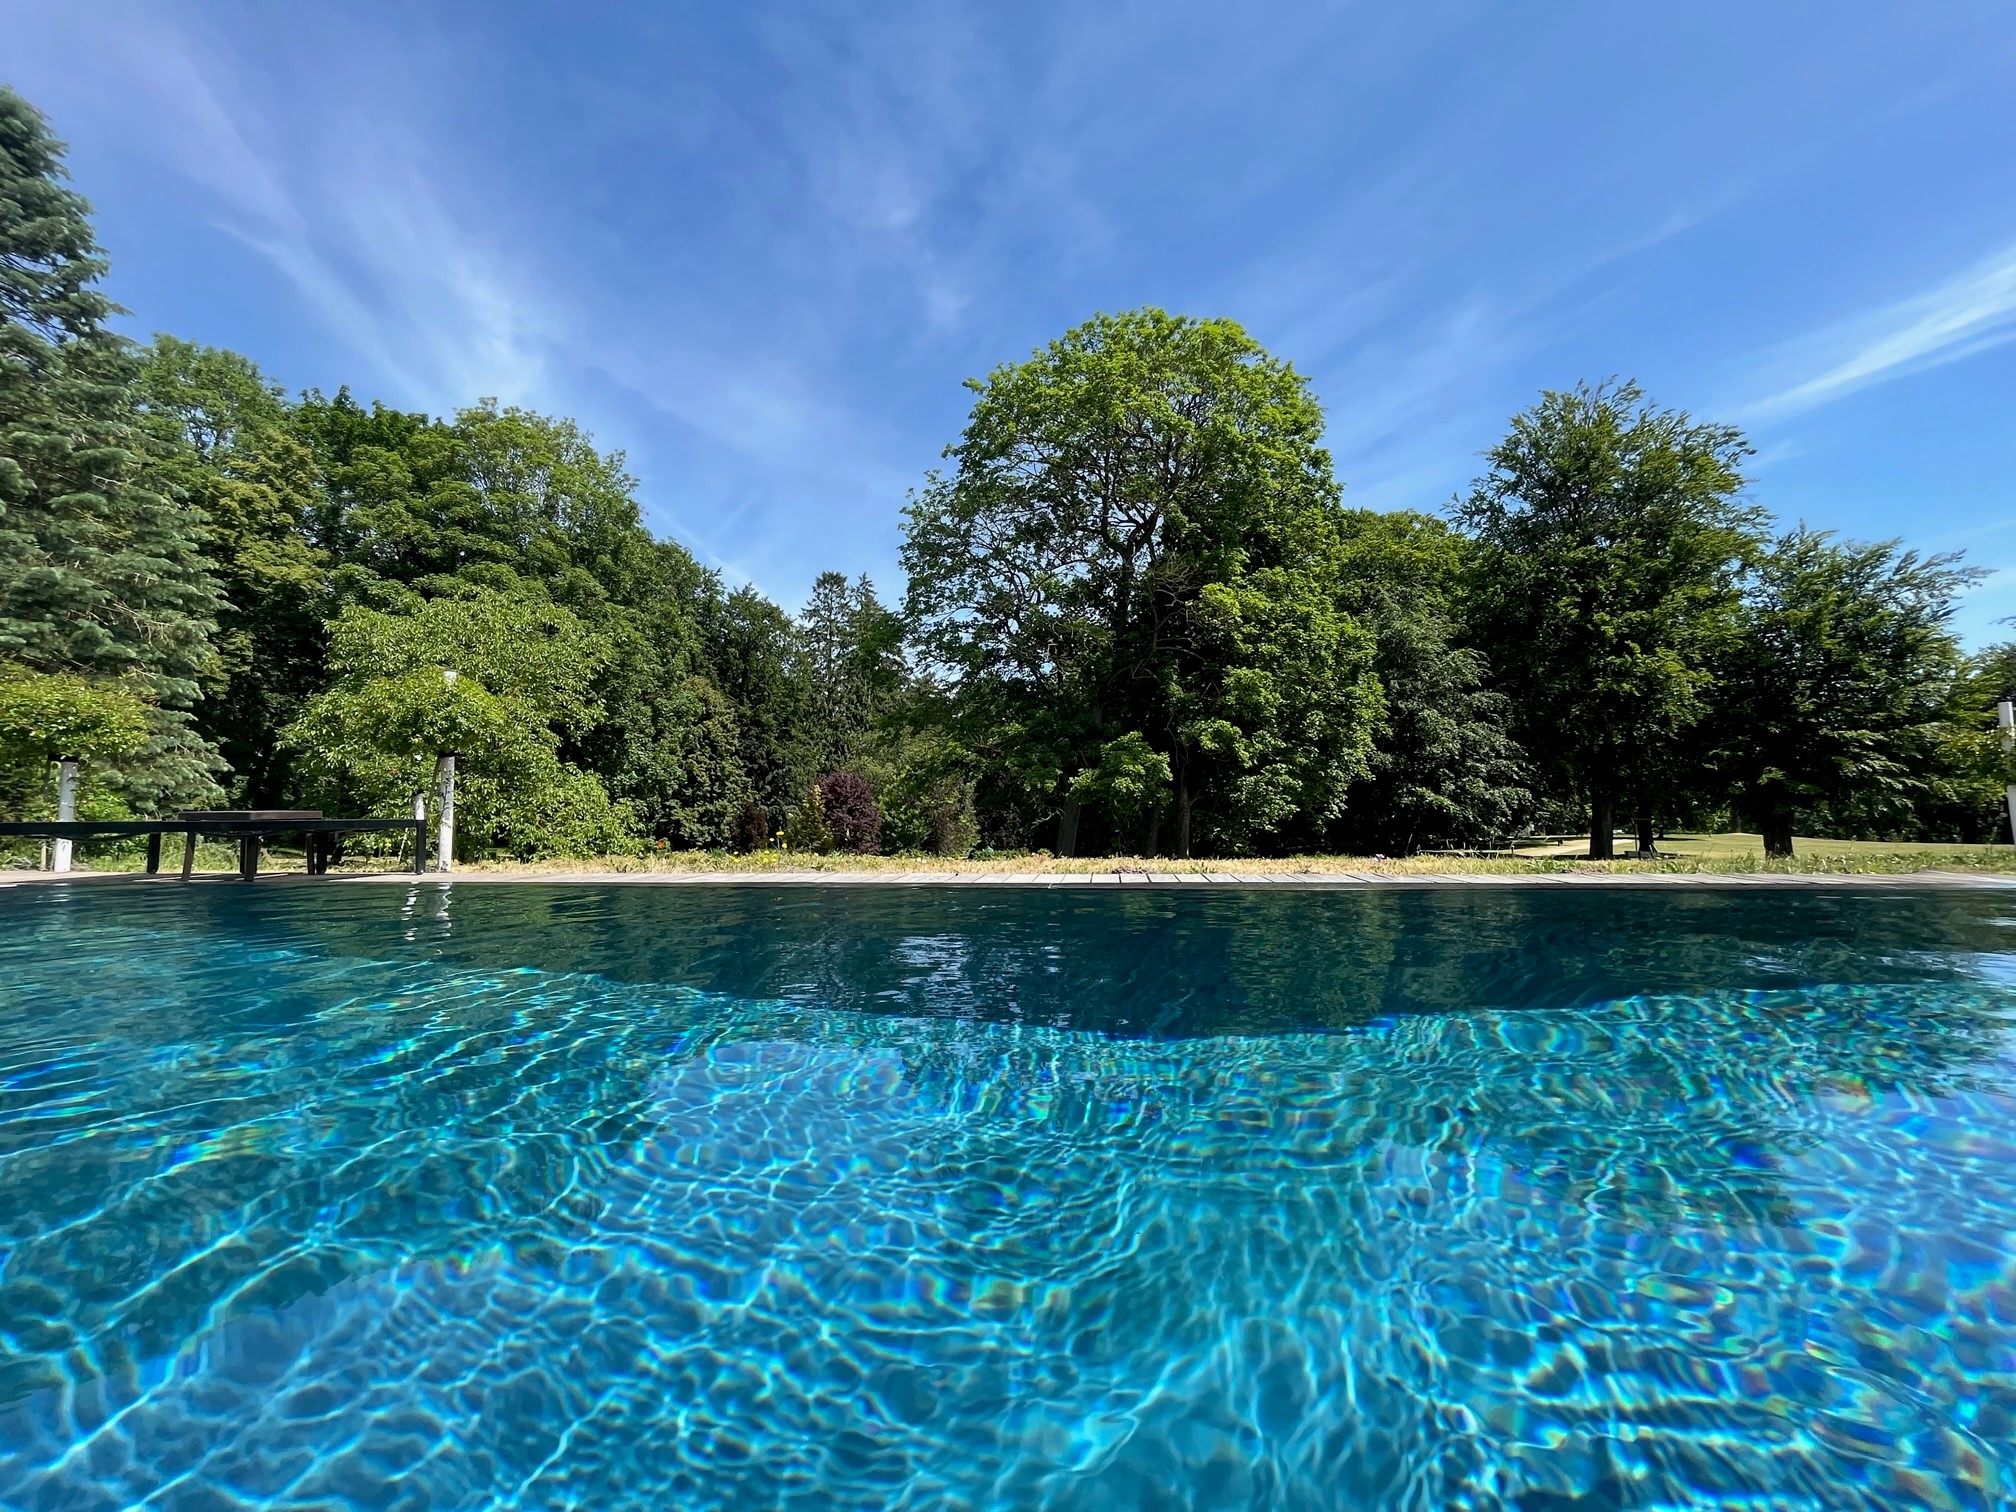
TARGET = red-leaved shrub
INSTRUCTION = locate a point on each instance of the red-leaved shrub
(852, 813)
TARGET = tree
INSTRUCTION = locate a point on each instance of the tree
(752, 657)
(1131, 780)
(1137, 538)
(232, 454)
(51, 717)
(1610, 539)
(1840, 685)
(927, 799)
(806, 829)
(46, 717)
(1444, 768)
(854, 667)
(523, 675)
(681, 772)
(101, 574)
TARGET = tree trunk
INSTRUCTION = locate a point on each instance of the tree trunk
(1647, 846)
(1602, 825)
(1067, 828)
(1154, 831)
(1183, 816)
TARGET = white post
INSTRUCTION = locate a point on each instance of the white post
(2005, 721)
(444, 811)
(444, 796)
(66, 808)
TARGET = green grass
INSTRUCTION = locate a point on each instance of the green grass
(1738, 846)
(1730, 853)
(1734, 853)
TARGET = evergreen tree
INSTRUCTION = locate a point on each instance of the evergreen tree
(855, 672)
(753, 657)
(1445, 769)
(101, 573)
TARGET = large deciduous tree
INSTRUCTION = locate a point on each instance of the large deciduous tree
(1839, 687)
(233, 454)
(1134, 554)
(1611, 537)
(101, 571)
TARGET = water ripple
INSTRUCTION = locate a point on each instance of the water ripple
(287, 1222)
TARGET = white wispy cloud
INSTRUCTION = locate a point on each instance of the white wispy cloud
(1965, 315)
(348, 217)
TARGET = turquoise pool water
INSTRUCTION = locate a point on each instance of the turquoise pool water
(321, 1196)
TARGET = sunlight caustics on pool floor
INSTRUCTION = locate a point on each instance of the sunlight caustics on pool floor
(669, 1198)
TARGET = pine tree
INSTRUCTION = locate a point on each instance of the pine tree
(101, 573)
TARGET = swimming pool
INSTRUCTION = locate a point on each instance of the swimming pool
(331, 1196)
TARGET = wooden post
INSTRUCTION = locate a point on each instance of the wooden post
(66, 807)
(188, 852)
(154, 854)
(248, 857)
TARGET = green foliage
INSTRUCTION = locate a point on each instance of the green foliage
(523, 673)
(806, 830)
(1140, 520)
(101, 573)
(1131, 779)
(230, 454)
(541, 806)
(1444, 770)
(59, 716)
(852, 655)
(751, 652)
(45, 717)
(681, 771)
(1838, 690)
(927, 797)
(1137, 615)
(537, 655)
(1610, 540)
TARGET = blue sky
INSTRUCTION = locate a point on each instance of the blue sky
(759, 246)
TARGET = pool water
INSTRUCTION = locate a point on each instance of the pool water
(330, 1196)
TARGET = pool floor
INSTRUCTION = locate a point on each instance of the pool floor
(435, 1198)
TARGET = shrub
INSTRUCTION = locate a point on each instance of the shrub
(806, 829)
(751, 830)
(851, 813)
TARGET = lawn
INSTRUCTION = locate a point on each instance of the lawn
(1680, 854)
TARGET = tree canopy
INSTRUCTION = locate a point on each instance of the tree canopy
(1841, 679)
(1611, 537)
(1135, 551)
(1137, 617)
(101, 567)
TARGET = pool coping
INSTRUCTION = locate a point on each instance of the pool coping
(1168, 881)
